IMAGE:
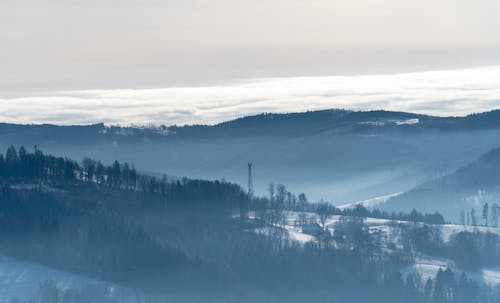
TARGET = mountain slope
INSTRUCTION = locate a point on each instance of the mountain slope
(467, 187)
(338, 155)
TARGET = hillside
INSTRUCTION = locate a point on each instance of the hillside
(196, 240)
(468, 187)
(339, 155)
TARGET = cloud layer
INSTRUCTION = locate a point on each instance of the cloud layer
(451, 92)
(87, 44)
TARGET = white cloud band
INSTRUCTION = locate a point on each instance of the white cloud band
(451, 92)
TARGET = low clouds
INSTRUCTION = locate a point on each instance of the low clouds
(452, 92)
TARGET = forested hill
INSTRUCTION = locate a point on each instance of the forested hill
(342, 156)
(23, 169)
(470, 186)
(187, 241)
(93, 219)
(303, 123)
(339, 121)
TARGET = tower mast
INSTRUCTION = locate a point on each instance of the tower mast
(250, 181)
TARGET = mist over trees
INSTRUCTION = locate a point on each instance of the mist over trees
(199, 239)
(375, 152)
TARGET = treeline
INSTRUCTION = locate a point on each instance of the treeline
(16, 165)
(21, 166)
(446, 287)
(490, 215)
(271, 208)
(414, 216)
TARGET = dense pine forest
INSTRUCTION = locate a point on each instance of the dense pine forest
(190, 240)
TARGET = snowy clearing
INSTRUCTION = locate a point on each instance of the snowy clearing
(21, 280)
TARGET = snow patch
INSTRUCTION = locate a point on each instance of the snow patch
(396, 122)
(369, 203)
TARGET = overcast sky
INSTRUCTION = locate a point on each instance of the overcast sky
(59, 47)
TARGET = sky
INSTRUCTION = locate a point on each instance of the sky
(200, 61)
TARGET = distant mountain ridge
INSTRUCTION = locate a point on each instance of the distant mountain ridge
(309, 122)
(339, 155)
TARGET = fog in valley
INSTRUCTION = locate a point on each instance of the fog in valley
(399, 205)
(237, 151)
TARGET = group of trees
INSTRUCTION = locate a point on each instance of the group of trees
(21, 166)
(280, 197)
(360, 211)
(469, 250)
(447, 288)
(272, 209)
(489, 214)
(27, 166)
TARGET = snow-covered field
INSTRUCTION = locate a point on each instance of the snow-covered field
(385, 226)
(425, 266)
(428, 268)
(21, 280)
(491, 275)
(293, 233)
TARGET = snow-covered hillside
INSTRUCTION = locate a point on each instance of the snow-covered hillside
(388, 231)
(370, 203)
(21, 280)
(428, 268)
